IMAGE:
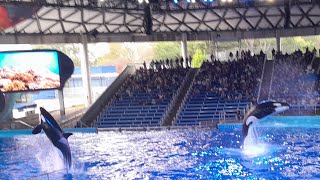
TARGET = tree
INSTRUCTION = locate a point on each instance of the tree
(164, 50)
(198, 58)
(291, 44)
(120, 54)
(193, 46)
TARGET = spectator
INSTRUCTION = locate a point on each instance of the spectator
(144, 65)
(273, 53)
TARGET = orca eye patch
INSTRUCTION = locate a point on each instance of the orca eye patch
(277, 104)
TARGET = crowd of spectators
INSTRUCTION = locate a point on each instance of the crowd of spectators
(235, 79)
(158, 83)
(294, 80)
(169, 63)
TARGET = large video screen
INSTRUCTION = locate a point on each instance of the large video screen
(29, 70)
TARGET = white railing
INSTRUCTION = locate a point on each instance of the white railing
(24, 123)
(222, 117)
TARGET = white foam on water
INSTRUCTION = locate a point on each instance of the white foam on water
(49, 157)
(252, 146)
(255, 150)
(51, 160)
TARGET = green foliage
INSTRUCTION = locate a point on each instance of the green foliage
(164, 50)
(256, 45)
(193, 46)
(198, 58)
(291, 44)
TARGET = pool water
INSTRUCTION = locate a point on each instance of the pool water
(169, 154)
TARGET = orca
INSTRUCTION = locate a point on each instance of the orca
(260, 111)
(53, 131)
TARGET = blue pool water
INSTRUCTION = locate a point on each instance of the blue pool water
(282, 152)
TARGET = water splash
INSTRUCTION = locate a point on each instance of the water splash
(51, 161)
(49, 157)
(252, 137)
(252, 146)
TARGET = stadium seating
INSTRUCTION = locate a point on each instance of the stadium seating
(143, 100)
(211, 99)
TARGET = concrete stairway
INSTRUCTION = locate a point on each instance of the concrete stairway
(266, 80)
(181, 93)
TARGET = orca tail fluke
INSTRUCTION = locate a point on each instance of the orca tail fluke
(37, 129)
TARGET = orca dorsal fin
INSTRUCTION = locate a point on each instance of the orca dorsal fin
(37, 129)
(66, 135)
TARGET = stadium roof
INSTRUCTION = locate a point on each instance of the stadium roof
(59, 21)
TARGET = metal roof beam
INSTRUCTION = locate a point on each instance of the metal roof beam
(167, 36)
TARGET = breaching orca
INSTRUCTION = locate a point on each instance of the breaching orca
(260, 111)
(53, 131)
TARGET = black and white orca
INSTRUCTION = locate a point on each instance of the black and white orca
(260, 111)
(53, 131)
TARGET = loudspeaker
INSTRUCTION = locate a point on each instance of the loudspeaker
(94, 33)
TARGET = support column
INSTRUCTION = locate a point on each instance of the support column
(85, 71)
(216, 49)
(278, 40)
(61, 103)
(184, 48)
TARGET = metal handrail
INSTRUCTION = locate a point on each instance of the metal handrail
(185, 97)
(24, 123)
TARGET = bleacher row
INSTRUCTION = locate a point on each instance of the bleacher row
(128, 112)
(138, 108)
(209, 107)
(219, 91)
(131, 109)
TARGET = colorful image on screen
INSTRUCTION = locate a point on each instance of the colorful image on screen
(29, 70)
